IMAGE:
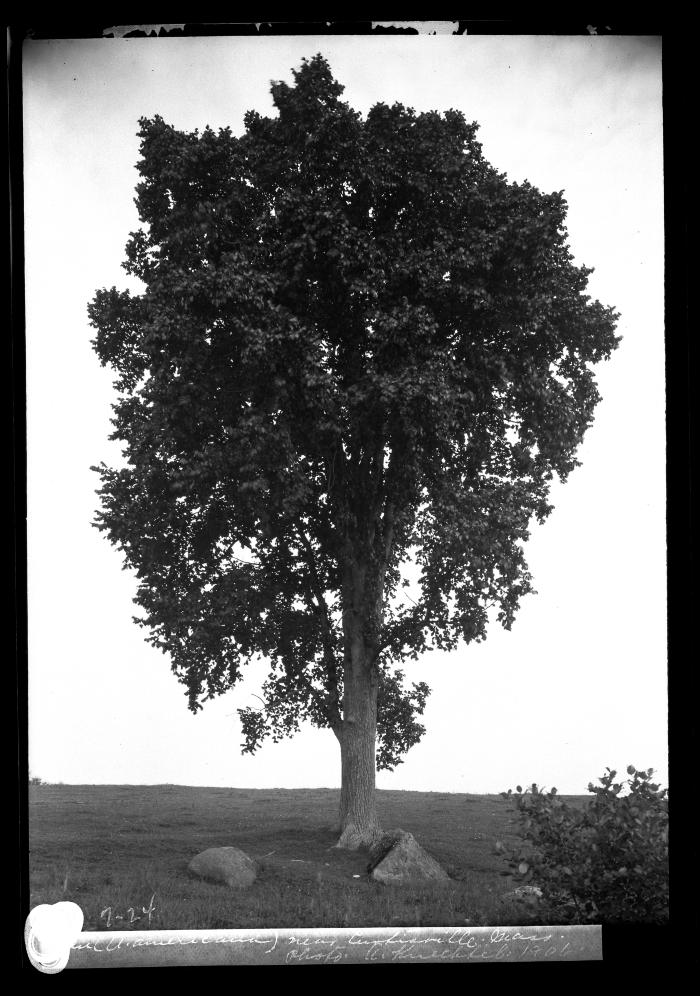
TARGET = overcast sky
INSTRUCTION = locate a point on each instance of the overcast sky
(580, 682)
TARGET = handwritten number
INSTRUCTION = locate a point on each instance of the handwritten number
(108, 915)
(151, 908)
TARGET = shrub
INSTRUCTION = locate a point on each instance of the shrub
(604, 861)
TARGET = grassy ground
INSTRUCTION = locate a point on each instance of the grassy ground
(121, 853)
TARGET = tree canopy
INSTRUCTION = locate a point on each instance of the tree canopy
(358, 347)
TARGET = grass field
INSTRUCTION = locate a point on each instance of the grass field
(121, 853)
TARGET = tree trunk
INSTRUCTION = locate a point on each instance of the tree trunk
(359, 826)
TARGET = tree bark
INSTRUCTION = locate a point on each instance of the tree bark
(359, 825)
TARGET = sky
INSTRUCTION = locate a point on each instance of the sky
(579, 683)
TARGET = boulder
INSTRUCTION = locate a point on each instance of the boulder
(224, 864)
(398, 859)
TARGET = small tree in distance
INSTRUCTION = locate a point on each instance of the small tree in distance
(358, 346)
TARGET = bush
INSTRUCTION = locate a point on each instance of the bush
(605, 861)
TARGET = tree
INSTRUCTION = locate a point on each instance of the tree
(358, 347)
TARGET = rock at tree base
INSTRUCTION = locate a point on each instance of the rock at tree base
(398, 859)
(224, 864)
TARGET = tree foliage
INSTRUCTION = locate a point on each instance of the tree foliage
(358, 346)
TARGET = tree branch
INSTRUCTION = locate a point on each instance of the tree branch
(315, 594)
(410, 626)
